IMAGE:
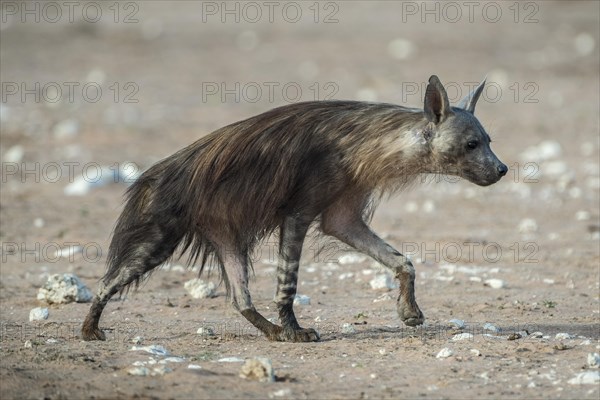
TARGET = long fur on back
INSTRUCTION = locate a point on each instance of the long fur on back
(234, 186)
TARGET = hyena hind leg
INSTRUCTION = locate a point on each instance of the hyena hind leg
(147, 257)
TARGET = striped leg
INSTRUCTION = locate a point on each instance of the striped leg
(293, 232)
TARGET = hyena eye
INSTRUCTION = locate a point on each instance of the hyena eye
(472, 144)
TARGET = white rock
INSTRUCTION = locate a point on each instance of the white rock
(543, 151)
(66, 129)
(475, 352)
(582, 215)
(258, 369)
(38, 314)
(458, 323)
(138, 371)
(428, 206)
(401, 48)
(230, 359)
(172, 360)
(564, 336)
(528, 225)
(537, 335)
(346, 275)
(194, 366)
(14, 154)
(554, 168)
(586, 378)
(152, 349)
(584, 44)
(383, 297)
(199, 289)
(490, 327)
(67, 252)
(137, 340)
(38, 223)
(301, 300)
(593, 360)
(64, 288)
(351, 258)
(348, 328)
(28, 344)
(205, 331)
(444, 353)
(383, 281)
(287, 392)
(462, 336)
(495, 283)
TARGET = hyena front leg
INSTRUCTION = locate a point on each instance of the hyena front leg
(293, 232)
(344, 221)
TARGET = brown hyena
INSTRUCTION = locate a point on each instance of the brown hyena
(281, 171)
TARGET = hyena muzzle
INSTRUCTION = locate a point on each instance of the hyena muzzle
(320, 163)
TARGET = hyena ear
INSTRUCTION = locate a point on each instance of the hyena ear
(468, 103)
(437, 105)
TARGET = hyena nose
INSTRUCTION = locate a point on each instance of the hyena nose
(502, 169)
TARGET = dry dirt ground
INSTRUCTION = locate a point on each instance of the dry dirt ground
(170, 72)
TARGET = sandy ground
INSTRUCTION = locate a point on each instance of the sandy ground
(170, 72)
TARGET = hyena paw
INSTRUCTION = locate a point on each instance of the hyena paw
(92, 334)
(411, 316)
(298, 335)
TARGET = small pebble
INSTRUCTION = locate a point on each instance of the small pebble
(301, 300)
(475, 352)
(157, 350)
(563, 336)
(205, 331)
(462, 336)
(593, 360)
(490, 327)
(457, 323)
(528, 225)
(495, 283)
(199, 289)
(38, 314)
(230, 359)
(258, 369)
(586, 378)
(348, 328)
(444, 353)
(194, 366)
(27, 344)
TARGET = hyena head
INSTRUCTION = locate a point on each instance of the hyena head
(459, 145)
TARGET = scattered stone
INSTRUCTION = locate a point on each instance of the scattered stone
(561, 346)
(475, 352)
(155, 349)
(383, 297)
(14, 154)
(582, 215)
(444, 353)
(205, 331)
(537, 335)
(543, 151)
(586, 378)
(351, 258)
(258, 369)
(194, 366)
(38, 314)
(301, 300)
(64, 288)
(38, 223)
(230, 359)
(563, 336)
(428, 206)
(287, 392)
(382, 281)
(172, 360)
(66, 129)
(514, 336)
(495, 283)
(401, 48)
(457, 323)
(528, 225)
(138, 371)
(27, 344)
(137, 340)
(67, 252)
(348, 328)
(462, 336)
(593, 360)
(199, 289)
(490, 327)
(346, 275)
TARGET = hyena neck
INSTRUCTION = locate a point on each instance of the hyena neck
(393, 150)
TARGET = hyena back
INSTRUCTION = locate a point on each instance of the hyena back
(281, 171)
